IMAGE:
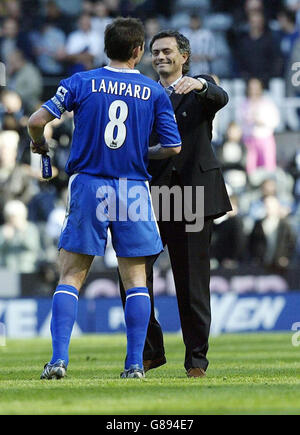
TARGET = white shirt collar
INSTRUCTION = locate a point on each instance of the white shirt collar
(123, 70)
(174, 83)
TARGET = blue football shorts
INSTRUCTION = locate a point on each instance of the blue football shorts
(96, 205)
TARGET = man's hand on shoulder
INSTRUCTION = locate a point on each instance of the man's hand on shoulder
(189, 84)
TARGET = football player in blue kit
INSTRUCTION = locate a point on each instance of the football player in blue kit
(115, 109)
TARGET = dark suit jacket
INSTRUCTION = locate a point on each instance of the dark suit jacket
(284, 246)
(196, 164)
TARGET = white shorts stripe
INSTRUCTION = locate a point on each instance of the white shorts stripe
(72, 178)
(152, 209)
(138, 294)
(68, 293)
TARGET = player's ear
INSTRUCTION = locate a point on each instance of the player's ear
(137, 51)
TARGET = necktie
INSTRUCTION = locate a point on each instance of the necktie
(169, 90)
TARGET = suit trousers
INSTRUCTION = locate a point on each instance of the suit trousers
(189, 254)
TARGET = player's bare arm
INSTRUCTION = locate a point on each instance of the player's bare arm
(160, 152)
(36, 125)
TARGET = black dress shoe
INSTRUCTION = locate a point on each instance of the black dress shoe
(154, 363)
(196, 372)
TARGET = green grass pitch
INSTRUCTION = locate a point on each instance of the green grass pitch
(248, 374)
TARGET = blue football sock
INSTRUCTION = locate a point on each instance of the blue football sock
(137, 315)
(64, 313)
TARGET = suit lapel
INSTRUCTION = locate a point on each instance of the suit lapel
(176, 100)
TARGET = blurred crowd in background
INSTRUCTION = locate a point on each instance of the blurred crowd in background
(251, 40)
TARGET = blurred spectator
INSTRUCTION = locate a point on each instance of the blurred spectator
(43, 201)
(253, 6)
(127, 8)
(100, 17)
(232, 156)
(48, 276)
(87, 7)
(203, 46)
(225, 6)
(250, 38)
(13, 10)
(222, 64)
(84, 47)
(12, 38)
(29, 15)
(147, 8)
(256, 209)
(15, 179)
(290, 48)
(70, 7)
(56, 217)
(232, 152)
(229, 238)
(113, 7)
(12, 117)
(257, 51)
(259, 117)
(294, 5)
(270, 8)
(289, 34)
(55, 16)
(293, 168)
(11, 111)
(19, 239)
(272, 241)
(48, 45)
(51, 229)
(24, 78)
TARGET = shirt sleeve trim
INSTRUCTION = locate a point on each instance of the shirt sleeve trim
(51, 111)
(172, 145)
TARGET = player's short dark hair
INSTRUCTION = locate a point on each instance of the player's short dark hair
(183, 45)
(122, 36)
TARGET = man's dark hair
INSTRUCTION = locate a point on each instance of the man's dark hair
(122, 36)
(289, 14)
(183, 45)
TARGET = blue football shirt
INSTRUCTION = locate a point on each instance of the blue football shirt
(114, 113)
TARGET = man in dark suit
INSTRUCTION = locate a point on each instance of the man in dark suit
(195, 102)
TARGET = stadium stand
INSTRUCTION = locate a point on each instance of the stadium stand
(43, 41)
